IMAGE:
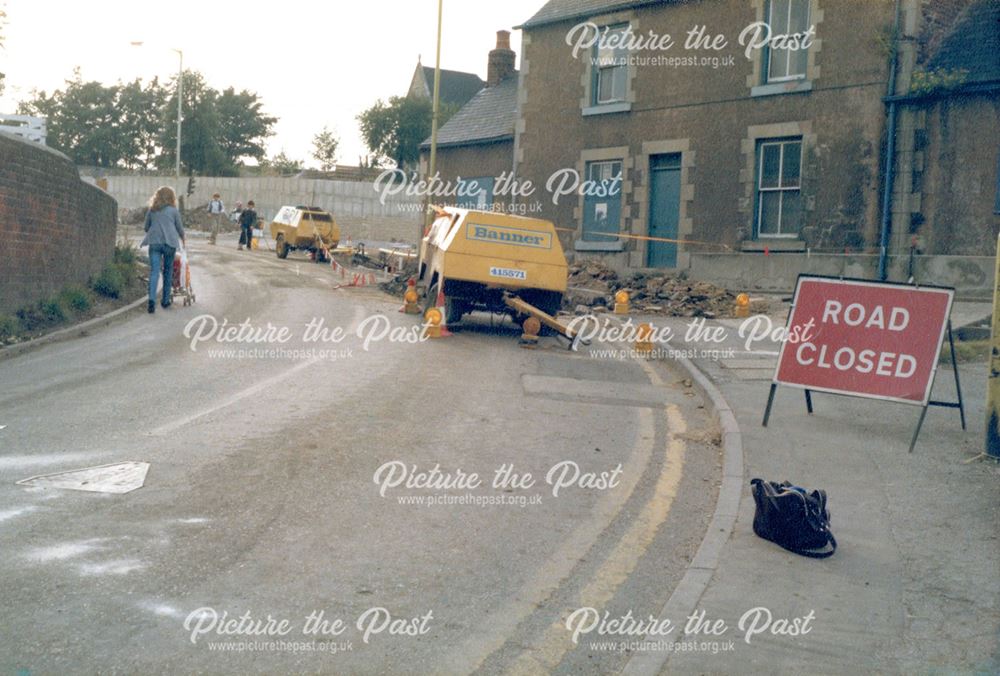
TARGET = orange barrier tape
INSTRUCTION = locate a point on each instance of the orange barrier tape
(655, 239)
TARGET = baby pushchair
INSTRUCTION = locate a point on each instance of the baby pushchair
(181, 287)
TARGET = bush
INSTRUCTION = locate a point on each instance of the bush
(9, 328)
(125, 253)
(110, 283)
(31, 317)
(76, 299)
(52, 310)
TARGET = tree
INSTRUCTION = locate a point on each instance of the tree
(134, 125)
(394, 131)
(141, 109)
(3, 18)
(83, 121)
(243, 126)
(325, 149)
(282, 164)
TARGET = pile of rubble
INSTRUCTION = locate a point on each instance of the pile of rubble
(592, 286)
(197, 218)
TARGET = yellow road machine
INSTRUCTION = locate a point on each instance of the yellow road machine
(307, 228)
(481, 260)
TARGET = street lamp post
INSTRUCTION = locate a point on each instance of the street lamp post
(180, 111)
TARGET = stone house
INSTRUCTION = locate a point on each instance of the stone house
(698, 143)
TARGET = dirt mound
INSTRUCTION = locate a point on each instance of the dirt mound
(198, 218)
(594, 284)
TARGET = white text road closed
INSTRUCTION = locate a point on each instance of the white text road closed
(868, 339)
(509, 273)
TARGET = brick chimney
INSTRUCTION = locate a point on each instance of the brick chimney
(502, 60)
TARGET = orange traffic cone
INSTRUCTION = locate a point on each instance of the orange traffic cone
(440, 304)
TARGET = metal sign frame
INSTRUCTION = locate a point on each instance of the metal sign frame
(926, 403)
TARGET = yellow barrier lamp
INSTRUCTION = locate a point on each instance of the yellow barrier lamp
(433, 318)
(643, 342)
(742, 306)
(622, 303)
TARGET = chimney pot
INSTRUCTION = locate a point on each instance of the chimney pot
(501, 62)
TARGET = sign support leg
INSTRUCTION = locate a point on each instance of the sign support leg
(920, 423)
(809, 402)
(958, 383)
(770, 402)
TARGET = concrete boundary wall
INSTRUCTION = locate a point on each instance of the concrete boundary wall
(355, 204)
(972, 276)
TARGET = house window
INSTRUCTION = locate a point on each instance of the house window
(779, 181)
(476, 193)
(610, 68)
(602, 202)
(787, 17)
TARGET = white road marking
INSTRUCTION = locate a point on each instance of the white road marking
(61, 552)
(233, 399)
(15, 461)
(17, 511)
(359, 315)
(115, 567)
(161, 609)
(119, 478)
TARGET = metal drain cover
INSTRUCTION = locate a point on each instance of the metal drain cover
(122, 477)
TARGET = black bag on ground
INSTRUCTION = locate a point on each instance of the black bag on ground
(793, 517)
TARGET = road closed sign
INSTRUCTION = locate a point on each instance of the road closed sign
(865, 339)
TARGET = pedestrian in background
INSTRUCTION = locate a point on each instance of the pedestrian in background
(164, 235)
(248, 219)
(234, 215)
(218, 211)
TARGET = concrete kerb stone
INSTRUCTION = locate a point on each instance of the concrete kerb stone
(74, 331)
(685, 597)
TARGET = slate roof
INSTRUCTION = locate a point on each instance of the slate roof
(564, 10)
(488, 117)
(456, 87)
(973, 43)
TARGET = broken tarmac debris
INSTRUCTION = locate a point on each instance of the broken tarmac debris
(592, 286)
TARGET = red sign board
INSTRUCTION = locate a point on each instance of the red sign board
(866, 339)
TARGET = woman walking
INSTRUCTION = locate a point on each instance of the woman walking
(164, 235)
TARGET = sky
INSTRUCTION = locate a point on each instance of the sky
(313, 64)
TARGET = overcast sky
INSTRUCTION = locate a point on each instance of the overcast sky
(313, 63)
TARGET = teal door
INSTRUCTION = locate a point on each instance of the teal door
(664, 209)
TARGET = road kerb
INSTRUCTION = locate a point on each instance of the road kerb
(684, 600)
(69, 332)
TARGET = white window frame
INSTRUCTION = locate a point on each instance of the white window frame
(779, 188)
(621, 68)
(787, 54)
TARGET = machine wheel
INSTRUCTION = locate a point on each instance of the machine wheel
(453, 310)
(280, 247)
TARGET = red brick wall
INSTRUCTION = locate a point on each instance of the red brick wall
(55, 229)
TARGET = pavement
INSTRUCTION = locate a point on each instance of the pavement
(915, 584)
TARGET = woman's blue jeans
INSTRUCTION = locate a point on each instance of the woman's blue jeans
(161, 257)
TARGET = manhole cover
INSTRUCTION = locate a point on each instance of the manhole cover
(122, 477)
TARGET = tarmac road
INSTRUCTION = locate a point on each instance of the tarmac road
(261, 495)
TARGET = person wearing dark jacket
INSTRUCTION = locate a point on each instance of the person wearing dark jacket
(248, 219)
(164, 235)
